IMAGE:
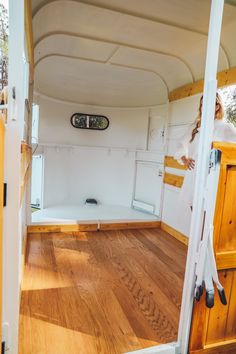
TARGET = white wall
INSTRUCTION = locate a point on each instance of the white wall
(157, 126)
(72, 175)
(128, 127)
(80, 164)
(98, 170)
(182, 113)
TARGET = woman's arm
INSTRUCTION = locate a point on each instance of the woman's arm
(188, 162)
(181, 154)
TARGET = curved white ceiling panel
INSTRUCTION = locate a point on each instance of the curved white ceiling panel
(74, 47)
(73, 17)
(173, 70)
(141, 48)
(88, 82)
(192, 14)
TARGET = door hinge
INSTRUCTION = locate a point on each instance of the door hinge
(4, 194)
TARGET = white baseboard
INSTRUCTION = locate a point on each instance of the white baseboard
(170, 348)
(143, 206)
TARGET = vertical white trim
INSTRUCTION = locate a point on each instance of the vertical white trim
(42, 188)
(204, 148)
(165, 153)
(148, 130)
(12, 232)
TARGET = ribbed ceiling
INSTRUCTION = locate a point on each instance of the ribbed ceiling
(124, 53)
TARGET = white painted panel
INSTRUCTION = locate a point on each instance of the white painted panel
(151, 156)
(175, 171)
(148, 185)
(95, 213)
(74, 47)
(170, 68)
(182, 114)
(156, 133)
(96, 168)
(143, 206)
(175, 213)
(13, 215)
(56, 176)
(35, 123)
(127, 128)
(112, 26)
(91, 82)
(157, 124)
(37, 180)
(73, 175)
(184, 111)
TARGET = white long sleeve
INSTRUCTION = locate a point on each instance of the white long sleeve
(183, 145)
(224, 132)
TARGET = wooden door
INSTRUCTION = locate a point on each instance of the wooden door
(1, 209)
(214, 330)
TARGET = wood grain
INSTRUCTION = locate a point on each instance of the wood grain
(214, 331)
(218, 317)
(93, 226)
(228, 150)
(171, 162)
(226, 260)
(175, 233)
(230, 330)
(100, 292)
(173, 180)
(129, 225)
(89, 226)
(29, 37)
(225, 78)
(227, 241)
(26, 158)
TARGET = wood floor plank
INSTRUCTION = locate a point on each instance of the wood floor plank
(141, 289)
(143, 269)
(169, 245)
(105, 292)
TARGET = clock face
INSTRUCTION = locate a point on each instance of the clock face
(89, 121)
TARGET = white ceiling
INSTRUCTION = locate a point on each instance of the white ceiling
(124, 53)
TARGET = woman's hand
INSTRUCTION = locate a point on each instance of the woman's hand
(189, 163)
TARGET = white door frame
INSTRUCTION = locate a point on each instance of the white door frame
(12, 228)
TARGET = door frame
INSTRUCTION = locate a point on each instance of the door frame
(2, 135)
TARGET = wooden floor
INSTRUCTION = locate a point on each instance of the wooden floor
(100, 292)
